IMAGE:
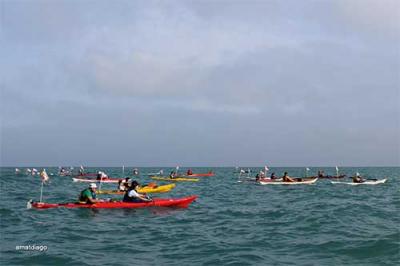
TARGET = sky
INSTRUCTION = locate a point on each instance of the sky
(200, 83)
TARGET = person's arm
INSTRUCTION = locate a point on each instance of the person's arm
(143, 197)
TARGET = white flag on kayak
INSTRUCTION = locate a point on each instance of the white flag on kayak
(44, 176)
(307, 169)
(337, 169)
(266, 169)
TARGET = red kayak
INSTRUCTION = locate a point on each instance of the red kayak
(86, 174)
(178, 203)
(94, 180)
(204, 174)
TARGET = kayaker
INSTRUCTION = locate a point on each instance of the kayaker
(172, 175)
(189, 172)
(321, 174)
(88, 195)
(257, 177)
(273, 176)
(287, 178)
(101, 175)
(357, 178)
(262, 174)
(133, 196)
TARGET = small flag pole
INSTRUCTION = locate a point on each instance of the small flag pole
(41, 192)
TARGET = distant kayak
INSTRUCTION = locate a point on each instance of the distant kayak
(93, 180)
(303, 182)
(147, 189)
(86, 174)
(331, 177)
(366, 182)
(253, 179)
(178, 203)
(200, 174)
(176, 179)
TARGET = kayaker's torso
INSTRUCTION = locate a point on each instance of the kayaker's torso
(86, 195)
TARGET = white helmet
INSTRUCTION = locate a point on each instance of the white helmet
(93, 185)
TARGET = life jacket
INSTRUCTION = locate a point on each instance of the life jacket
(83, 197)
(127, 198)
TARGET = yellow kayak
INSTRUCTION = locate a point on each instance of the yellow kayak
(176, 179)
(147, 189)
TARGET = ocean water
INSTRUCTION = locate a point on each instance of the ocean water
(231, 223)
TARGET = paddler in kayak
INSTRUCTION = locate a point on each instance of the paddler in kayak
(123, 185)
(287, 178)
(172, 175)
(273, 176)
(189, 172)
(357, 178)
(88, 195)
(131, 195)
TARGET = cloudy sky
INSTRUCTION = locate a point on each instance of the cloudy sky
(200, 83)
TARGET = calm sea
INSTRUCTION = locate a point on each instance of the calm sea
(231, 223)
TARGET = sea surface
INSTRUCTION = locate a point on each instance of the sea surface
(231, 223)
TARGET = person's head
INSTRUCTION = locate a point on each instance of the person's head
(273, 174)
(93, 186)
(134, 184)
(285, 173)
(127, 179)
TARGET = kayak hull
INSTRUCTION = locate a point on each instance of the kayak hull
(273, 182)
(147, 189)
(177, 179)
(366, 182)
(91, 180)
(177, 203)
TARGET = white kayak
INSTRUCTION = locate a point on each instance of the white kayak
(304, 182)
(366, 182)
(252, 179)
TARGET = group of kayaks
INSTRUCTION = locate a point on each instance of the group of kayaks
(147, 189)
(183, 202)
(309, 181)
